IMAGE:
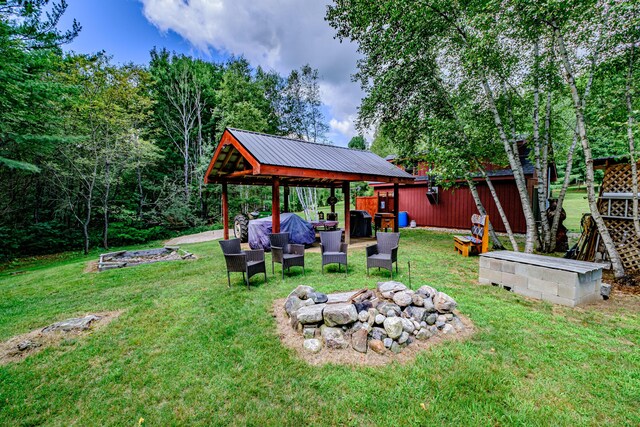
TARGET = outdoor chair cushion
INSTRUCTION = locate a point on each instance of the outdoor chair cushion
(380, 256)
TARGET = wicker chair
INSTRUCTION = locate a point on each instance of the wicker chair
(384, 253)
(285, 253)
(246, 262)
(334, 251)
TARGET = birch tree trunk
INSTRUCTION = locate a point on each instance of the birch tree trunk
(105, 204)
(516, 167)
(632, 149)
(497, 244)
(541, 184)
(563, 192)
(578, 105)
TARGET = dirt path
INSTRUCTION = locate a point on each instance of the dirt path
(206, 236)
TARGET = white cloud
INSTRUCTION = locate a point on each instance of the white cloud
(276, 34)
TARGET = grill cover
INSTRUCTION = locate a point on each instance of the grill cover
(300, 231)
(360, 224)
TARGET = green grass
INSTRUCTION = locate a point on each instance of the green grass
(575, 205)
(189, 350)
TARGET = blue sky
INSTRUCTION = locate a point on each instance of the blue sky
(276, 34)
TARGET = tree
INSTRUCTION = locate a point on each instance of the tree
(358, 143)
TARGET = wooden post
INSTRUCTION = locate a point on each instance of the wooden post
(286, 198)
(225, 211)
(275, 205)
(347, 214)
(396, 206)
(333, 194)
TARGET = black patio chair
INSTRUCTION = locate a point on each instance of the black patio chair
(285, 253)
(384, 253)
(333, 250)
(248, 263)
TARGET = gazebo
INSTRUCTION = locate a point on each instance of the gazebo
(252, 158)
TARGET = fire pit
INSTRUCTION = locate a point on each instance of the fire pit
(122, 259)
(384, 320)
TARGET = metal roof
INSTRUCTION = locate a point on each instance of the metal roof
(296, 153)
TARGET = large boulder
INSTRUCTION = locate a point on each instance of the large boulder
(402, 298)
(385, 306)
(417, 313)
(427, 291)
(318, 297)
(444, 303)
(293, 303)
(359, 340)
(391, 286)
(302, 292)
(310, 314)
(339, 314)
(427, 303)
(393, 327)
(333, 338)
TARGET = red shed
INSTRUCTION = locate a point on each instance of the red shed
(452, 208)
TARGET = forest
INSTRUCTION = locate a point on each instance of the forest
(97, 154)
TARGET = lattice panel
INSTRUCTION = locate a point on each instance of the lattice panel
(617, 179)
(630, 255)
(618, 208)
(621, 230)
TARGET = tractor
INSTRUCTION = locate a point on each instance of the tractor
(241, 223)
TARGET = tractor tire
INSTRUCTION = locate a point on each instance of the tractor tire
(241, 228)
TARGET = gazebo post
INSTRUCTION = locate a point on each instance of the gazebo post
(225, 211)
(396, 206)
(347, 210)
(275, 205)
(286, 198)
(333, 194)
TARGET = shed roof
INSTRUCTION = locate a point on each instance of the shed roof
(245, 157)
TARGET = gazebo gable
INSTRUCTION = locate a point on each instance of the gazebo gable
(231, 160)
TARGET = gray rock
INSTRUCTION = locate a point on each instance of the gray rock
(427, 291)
(431, 319)
(391, 313)
(309, 333)
(377, 346)
(433, 329)
(27, 345)
(313, 345)
(374, 302)
(448, 316)
(385, 306)
(396, 348)
(318, 297)
(378, 333)
(402, 298)
(417, 313)
(457, 324)
(391, 286)
(359, 340)
(372, 316)
(387, 342)
(605, 290)
(302, 292)
(428, 305)
(73, 324)
(363, 316)
(416, 324)
(417, 300)
(407, 325)
(380, 318)
(447, 329)
(424, 334)
(339, 314)
(424, 324)
(333, 337)
(310, 313)
(293, 303)
(441, 321)
(444, 303)
(403, 337)
(393, 326)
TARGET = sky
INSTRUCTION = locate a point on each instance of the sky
(278, 35)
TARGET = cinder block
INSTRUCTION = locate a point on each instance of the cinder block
(543, 286)
(564, 277)
(495, 265)
(490, 275)
(528, 293)
(485, 262)
(540, 273)
(554, 299)
(514, 280)
(508, 267)
(484, 281)
(567, 291)
(595, 275)
(591, 298)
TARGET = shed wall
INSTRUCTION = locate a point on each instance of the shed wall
(456, 206)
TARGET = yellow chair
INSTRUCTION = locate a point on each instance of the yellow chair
(478, 242)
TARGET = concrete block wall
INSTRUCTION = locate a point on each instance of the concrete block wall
(548, 284)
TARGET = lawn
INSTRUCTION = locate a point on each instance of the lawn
(575, 205)
(189, 350)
